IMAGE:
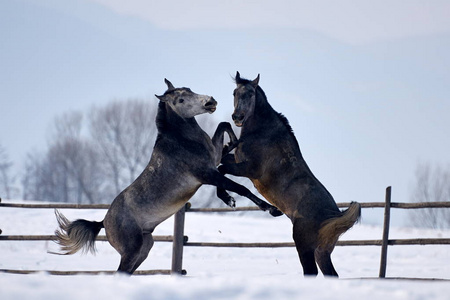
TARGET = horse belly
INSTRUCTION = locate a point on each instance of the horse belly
(271, 194)
(152, 201)
(171, 203)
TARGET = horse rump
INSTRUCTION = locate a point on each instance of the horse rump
(333, 228)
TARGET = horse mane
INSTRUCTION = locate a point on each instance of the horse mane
(169, 123)
(161, 117)
(259, 91)
(264, 104)
(241, 80)
(285, 122)
(162, 122)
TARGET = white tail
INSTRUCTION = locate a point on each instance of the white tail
(77, 235)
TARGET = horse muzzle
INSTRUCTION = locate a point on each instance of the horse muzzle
(238, 119)
(210, 105)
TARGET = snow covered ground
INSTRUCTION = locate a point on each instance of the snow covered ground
(219, 273)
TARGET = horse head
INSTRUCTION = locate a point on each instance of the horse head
(185, 102)
(244, 99)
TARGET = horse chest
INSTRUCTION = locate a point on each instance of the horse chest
(261, 187)
(270, 194)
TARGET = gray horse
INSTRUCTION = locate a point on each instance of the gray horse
(184, 157)
(268, 153)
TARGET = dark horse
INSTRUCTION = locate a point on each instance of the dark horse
(268, 154)
(184, 157)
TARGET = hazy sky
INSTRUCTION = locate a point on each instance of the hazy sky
(364, 84)
(354, 22)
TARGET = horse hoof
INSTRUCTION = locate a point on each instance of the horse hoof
(231, 202)
(275, 212)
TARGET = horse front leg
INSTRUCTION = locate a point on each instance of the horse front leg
(229, 166)
(222, 182)
(242, 169)
(219, 148)
(222, 151)
(220, 192)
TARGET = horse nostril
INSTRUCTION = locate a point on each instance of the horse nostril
(237, 117)
(211, 102)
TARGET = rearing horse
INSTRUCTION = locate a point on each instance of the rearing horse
(268, 154)
(184, 158)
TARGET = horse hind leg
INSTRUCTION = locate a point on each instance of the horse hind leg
(126, 236)
(135, 253)
(308, 262)
(145, 249)
(305, 248)
(130, 253)
(323, 258)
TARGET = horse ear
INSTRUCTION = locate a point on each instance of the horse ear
(237, 79)
(161, 98)
(256, 81)
(169, 85)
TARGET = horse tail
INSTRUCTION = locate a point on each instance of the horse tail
(76, 235)
(332, 228)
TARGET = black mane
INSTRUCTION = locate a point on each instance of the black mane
(285, 121)
(259, 90)
(241, 80)
(266, 104)
(169, 123)
(161, 117)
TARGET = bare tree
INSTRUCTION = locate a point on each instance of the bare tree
(92, 163)
(69, 171)
(5, 178)
(124, 133)
(77, 158)
(431, 184)
(32, 188)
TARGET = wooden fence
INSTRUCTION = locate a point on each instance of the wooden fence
(180, 240)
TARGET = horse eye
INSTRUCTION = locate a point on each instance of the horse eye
(181, 100)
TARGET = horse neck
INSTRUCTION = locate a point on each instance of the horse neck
(266, 118)
(170, 123)
(263, 113)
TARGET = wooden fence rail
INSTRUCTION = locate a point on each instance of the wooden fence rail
(157, 238)
(180, 240)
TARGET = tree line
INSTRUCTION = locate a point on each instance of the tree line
(91, 157)
(432, 184)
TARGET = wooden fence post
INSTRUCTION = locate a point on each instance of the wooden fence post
(178, 242)
(385, 241)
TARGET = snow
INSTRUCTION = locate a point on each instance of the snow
(220, 273)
